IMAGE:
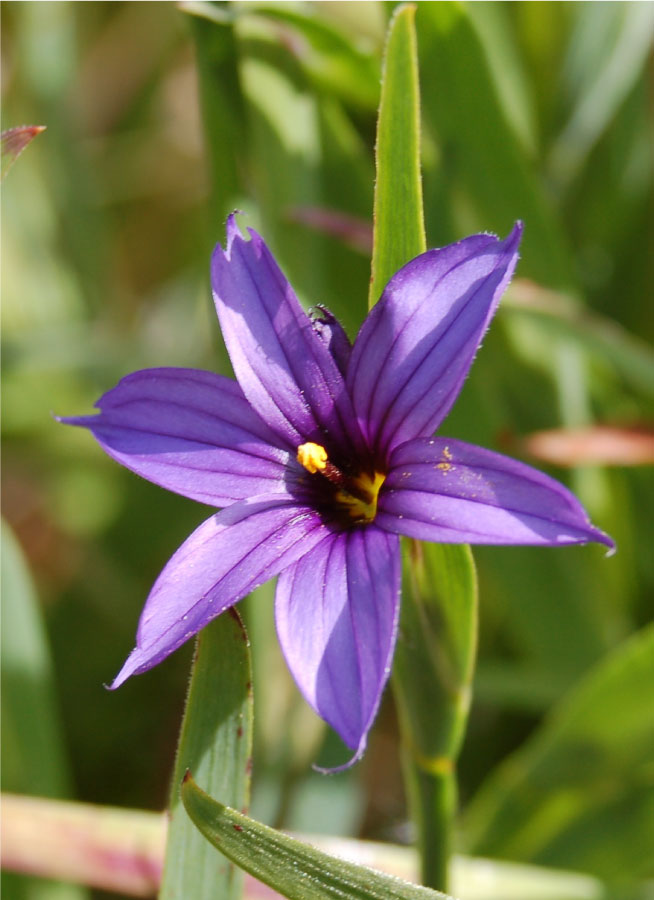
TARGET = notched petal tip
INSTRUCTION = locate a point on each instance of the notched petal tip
(232, 229)
(233, 232)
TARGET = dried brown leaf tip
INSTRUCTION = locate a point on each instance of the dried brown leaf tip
(14, 141)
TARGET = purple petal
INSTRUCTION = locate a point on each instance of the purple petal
(224, 559)
(286, 371)
(415, 348)
(191, 432)
(451, 492)
(337, 611)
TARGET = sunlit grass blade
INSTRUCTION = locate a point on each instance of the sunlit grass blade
(336, 65)
(559, 315)
(104, 847)
(608, 54)
(127, 847)
(216, 742)
(296, 870)
(480, 151)
(557, 800)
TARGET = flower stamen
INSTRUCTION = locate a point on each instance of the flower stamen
(312, 456)
(362, 505)
(356, 496)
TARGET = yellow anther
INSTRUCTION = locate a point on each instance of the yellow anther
(312, 456)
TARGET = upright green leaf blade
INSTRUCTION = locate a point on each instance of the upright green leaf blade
(580, 792)
(295, 869)
(399, 231)
(483, 155)
(216, 741)
(601, 71)
(422, 679)
(34, 758)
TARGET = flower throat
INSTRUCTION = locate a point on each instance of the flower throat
(355, 495)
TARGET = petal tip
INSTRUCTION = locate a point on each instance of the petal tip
(514, 237)
(232, 232)
(130, 667)
(607, 540)
(361, 749)
(231, 227)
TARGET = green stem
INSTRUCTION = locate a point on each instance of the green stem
(433, 670)
(432, 799)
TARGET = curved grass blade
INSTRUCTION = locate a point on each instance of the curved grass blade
(295, 869)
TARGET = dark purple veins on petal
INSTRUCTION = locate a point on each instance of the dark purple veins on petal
(414, 350)
(191, 432)
(284, 368)
(336, 613)
(451, 492)
(229, 555)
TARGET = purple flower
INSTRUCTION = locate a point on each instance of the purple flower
(322, 455)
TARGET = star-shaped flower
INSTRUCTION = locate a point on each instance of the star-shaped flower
(321, 455)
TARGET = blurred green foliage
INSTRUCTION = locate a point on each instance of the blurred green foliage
(158, 114)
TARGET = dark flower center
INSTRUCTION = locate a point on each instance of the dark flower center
(352, 497)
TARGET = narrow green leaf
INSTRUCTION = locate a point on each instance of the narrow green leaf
(399, 231)
(428, 672)
(33, 757)
(334, 63)
(222, 105)
(216, 741)
(295, 869)
(480, 152)
(607, 57)
(558, 800)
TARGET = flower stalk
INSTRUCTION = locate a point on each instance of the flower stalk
(432, 676)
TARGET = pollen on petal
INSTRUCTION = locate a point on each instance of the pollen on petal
(312, 456)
